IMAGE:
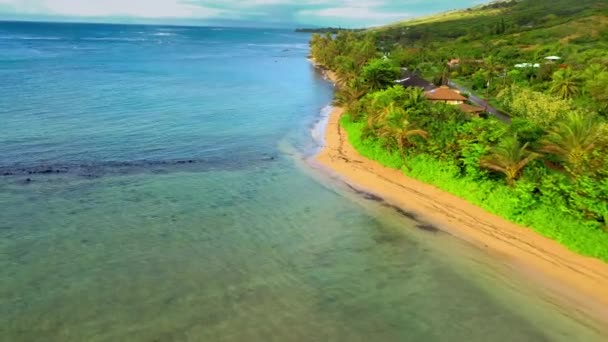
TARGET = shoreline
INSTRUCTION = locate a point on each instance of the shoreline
(579, 281)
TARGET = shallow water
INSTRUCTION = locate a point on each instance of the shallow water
(183, 212)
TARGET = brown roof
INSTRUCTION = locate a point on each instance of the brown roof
(444, 94)
(467, 108)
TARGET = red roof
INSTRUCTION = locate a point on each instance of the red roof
(444, 94)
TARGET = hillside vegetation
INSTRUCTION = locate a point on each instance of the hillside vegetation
(548, 168)
(519, 16)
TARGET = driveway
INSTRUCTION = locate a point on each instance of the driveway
(481, 102)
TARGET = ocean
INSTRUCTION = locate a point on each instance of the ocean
(154, 187)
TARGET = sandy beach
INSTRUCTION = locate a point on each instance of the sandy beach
(577, 280)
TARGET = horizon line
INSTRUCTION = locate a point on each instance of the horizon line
(118, 23)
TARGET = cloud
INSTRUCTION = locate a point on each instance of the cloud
(356, 12)
(365, 13)
(349, 13)
(114, 8)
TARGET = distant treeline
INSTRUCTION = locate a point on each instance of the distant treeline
(327, 30)
(499, 4)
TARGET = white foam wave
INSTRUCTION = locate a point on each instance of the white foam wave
(317, 131)
(302, 46)
(114, 39)
(29, 38)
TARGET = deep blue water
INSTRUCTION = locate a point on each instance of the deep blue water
(153, 188)
(106, 93)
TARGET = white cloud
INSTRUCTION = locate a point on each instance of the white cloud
(114, 8)
(368, 12)
(356, 12)
(350, 13)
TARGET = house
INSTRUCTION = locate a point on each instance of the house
(470, 109)
(527, 65)
(415, 81)
(446, 95)
(410, 79)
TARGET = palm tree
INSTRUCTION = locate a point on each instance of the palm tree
(346, 70)
(510, 157)
(491, 69)
(379, 114)
(391, 112)
(400, 134)
(565, 84)
(349, 93)
(380, 73)
(415, 96)
(573, 139)
(364, 51)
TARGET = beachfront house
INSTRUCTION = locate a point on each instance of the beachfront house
(453, 97)
(415, 81)
(446, 95)
(441, 94)
(412, 80)
(549, 59)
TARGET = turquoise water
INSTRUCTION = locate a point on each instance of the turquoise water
(168, 200)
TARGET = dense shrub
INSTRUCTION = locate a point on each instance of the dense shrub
(540, 108)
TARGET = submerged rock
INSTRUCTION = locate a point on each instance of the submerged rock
(428, 227)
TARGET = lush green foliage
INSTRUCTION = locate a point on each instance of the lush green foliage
(380, 73)
(578, 141)
(509, 157)
(538, 107)
(548, 169)
(554, 213)
(565, 83)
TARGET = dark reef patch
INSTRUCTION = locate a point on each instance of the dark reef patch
(402, 212)
(367, 195)
(428, 227)
(419, 223)
(104, 168)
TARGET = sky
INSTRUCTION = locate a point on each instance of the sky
(297, 13)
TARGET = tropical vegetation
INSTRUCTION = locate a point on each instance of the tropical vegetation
(545, 64)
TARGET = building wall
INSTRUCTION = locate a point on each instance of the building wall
(449, 102)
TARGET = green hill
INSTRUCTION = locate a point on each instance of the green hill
(510, 33)
(511, 30)
(518, 16)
